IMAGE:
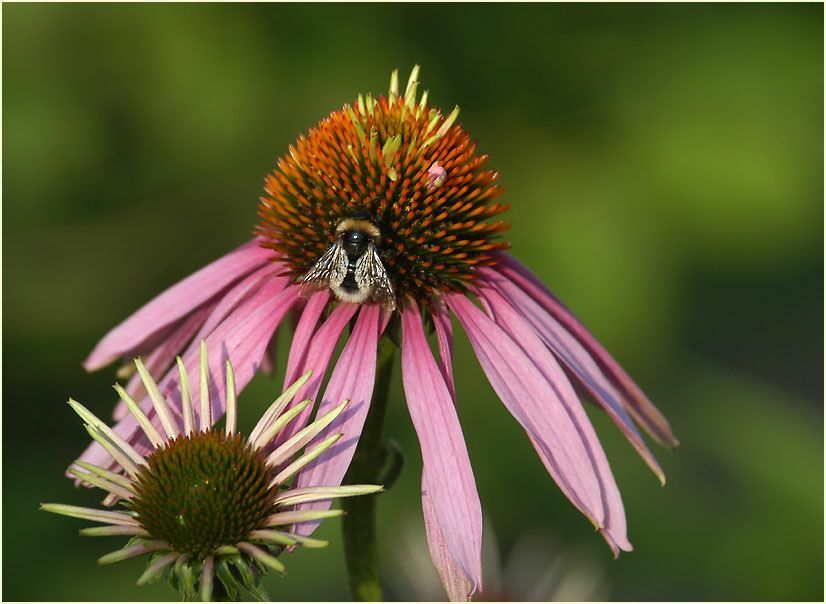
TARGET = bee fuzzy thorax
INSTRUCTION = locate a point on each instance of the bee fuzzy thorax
(383, 199)
(357, 224)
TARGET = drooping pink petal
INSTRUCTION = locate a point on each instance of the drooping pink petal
(162, 357)
(444, 336)
(571, 352)
(242, 336)
(456, 583)
(317, 357)
(242, 291)
(176, 302)
(352, 379)
(521, 333)
(633, 398)
(303, 335)
(268, 360)
(204, 319)
(535, 405)
(239, 292)
(450, 487)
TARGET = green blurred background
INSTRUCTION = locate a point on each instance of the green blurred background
(665, 166)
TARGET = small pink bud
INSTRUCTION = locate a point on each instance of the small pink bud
(436, 175)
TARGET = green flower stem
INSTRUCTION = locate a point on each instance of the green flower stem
(359, 522)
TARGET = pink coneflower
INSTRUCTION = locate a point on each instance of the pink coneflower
(210, 507)
(384, 214)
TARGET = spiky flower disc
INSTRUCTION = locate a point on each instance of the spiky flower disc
(207, 505)
(411, 170)
(187, 485)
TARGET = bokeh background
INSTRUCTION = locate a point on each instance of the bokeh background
(665, 166)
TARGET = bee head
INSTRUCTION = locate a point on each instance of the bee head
(350, 227)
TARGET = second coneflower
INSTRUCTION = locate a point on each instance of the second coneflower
(210, 507)
(386, 212)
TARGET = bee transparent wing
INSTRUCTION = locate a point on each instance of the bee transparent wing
(371, 275)
(329, 270)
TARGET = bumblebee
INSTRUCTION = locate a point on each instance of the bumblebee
(352, 268)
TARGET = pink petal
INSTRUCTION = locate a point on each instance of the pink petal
(520, 331)
(204, 320)
(576, 358)
(450, 488)
(321, 348)
(176, 302)
(536, 405)
(242, 336)
(353, 378)
(456, 583)
(240, 292)
(162, 357)
(632, 397)
(268, 360)
(444, 336)
(303, 335)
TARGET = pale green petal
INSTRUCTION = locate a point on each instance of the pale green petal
(232, 407)
(275, 427)
(186, 397)
(151, 433)
(308, 494)
(101, 483)
(113, 450)
(206, 409)
(302, 461)
(170, 426)
(153, 572)
(262, 557)
(103, 473)
(282, 538)
(207, 575)
(75, 511)
(272, 536)
(132, 551)
(297, 516)
(227, 550)
(302, 437)
(91, 419)
(109, 531)
(278, 406)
